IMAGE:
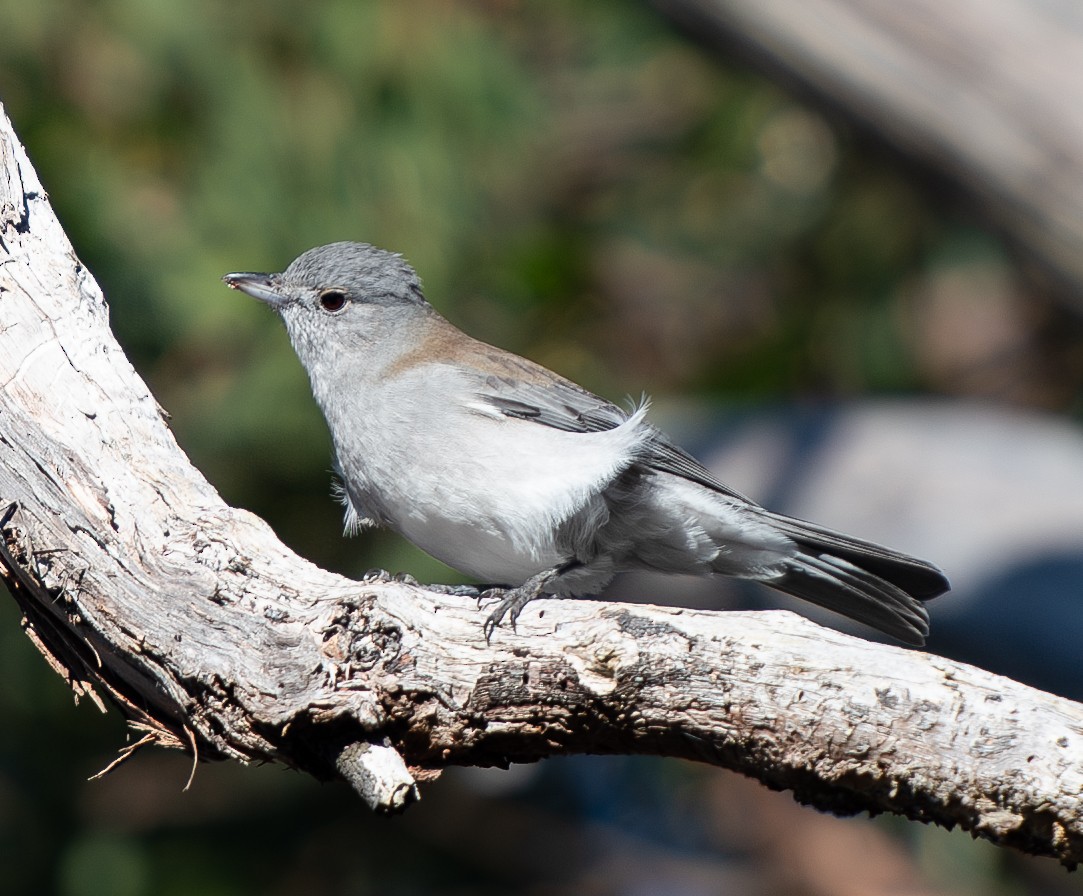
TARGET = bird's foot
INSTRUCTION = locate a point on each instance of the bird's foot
(511, 605)
(478, 592)
(404, 578)
(512, 601)
(457, 590)
(383, 576)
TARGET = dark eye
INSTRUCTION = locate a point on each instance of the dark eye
(332, 300)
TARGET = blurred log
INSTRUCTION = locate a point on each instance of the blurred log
(137, 581)
(987, 93)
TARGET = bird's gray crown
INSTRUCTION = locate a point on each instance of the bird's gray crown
(369, 274)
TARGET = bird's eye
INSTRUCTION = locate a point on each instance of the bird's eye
(332, 300)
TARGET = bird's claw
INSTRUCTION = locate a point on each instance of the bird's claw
(456, 590)
(511, 605)
(404, 578)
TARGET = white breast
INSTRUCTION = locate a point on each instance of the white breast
(480, 491)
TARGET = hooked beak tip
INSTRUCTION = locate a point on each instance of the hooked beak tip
(264, 287)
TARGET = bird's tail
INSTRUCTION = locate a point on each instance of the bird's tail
(871, 584)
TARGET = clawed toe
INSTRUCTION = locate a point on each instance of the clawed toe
(510, 601)
(456, 590)
(514, 599)
(510, 606)
(404, 578)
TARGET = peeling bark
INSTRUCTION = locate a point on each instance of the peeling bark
(138, 583)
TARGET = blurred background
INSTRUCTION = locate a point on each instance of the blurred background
(643, 198)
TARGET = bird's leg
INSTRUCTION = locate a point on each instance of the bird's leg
(514, 599)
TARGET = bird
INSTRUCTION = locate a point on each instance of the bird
(512, 474)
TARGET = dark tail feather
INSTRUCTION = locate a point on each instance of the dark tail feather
(838, 585)
(864, 581)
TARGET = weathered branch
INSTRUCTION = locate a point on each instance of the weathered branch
(987, 94)
(136, 580)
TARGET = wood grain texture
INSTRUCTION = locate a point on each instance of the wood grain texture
(140, 584)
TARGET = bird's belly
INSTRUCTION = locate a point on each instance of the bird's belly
(498, 527)
(492, 505)
(490, 554)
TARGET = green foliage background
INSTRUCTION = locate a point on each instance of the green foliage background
(573, 181)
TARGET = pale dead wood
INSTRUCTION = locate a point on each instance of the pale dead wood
(987, 93)
(137, 581)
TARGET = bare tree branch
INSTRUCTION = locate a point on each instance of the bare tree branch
(138, 582)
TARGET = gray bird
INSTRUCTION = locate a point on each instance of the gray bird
(512, 474)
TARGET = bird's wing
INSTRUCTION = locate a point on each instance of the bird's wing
(550, 400)
(666, 457)
(528, 391)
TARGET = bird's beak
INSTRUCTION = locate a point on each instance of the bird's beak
(265, 287)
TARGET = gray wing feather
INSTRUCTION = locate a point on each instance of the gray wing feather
(666, 457)
(558, 403)
(563, 405)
